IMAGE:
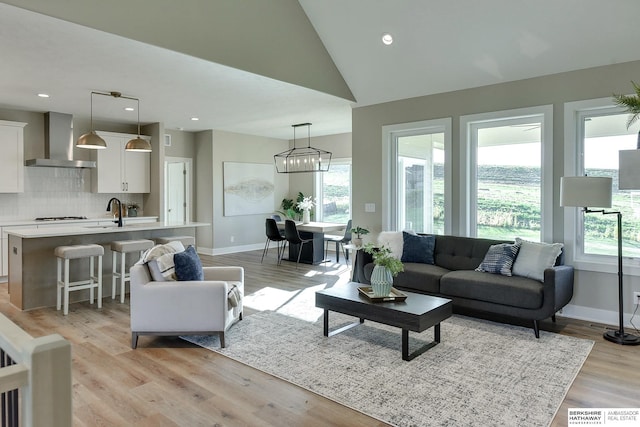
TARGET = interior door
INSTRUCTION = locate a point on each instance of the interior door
(177, 191)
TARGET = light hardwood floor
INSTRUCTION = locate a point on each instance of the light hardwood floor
(169, 382)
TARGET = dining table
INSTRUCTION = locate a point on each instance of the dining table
(312, 252)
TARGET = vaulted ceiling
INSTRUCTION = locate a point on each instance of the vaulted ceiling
(258, 67)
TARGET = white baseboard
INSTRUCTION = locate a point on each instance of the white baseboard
(597, 315)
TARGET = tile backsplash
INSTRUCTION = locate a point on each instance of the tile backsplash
(58, 192)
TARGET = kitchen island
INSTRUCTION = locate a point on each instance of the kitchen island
(32, 264)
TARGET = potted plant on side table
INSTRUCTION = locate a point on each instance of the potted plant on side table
(386, 267)
(359, 232)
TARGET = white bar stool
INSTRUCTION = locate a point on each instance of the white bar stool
(67, 253)
(185, 240)
(123, 247)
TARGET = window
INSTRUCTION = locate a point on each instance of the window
(602, 133)
(333, 190)
(508, 187)
(416, 192)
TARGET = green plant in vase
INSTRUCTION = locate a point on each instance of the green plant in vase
(359, 232)
(386, 267)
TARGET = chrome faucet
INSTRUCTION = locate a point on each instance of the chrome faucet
(119, 221)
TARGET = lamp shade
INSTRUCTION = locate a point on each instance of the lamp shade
(91, 140)
(586, 191)
(138, 144)
(629, 169)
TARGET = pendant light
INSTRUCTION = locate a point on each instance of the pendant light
(307, 159)
(138, 144)
(91, 139)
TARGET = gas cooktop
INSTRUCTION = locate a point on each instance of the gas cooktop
(59, 218)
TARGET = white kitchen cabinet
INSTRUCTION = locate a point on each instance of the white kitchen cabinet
(12, 158)
(120, 171)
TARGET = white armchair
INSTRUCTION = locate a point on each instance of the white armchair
(184, 308)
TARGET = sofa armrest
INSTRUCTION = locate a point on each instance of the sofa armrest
(361, 259)
(558, 288)
(229, 274)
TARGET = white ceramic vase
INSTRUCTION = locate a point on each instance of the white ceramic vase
(306, 216)
(381, 281)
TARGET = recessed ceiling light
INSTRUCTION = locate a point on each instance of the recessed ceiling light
(387, 39)
(129, 109)
(195, 119)
(43, 95)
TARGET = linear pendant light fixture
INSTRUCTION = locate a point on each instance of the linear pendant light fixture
(307, 159)
(92, 140)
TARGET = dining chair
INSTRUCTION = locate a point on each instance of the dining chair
(293, 238)
(273, 235)
(340, 242)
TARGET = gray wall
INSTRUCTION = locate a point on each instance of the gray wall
(555, 89)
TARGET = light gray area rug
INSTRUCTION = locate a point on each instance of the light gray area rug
(481, 374)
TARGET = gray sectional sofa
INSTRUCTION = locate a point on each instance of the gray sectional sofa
(453, 275)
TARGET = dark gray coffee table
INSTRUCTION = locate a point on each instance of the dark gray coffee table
(417, 313)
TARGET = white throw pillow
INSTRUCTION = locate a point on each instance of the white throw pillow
(534, 257)
(393, 240)
(159, 260)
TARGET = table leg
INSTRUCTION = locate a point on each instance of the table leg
(326, 323)
(405, 344)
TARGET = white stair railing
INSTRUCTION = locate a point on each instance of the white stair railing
(40, 369)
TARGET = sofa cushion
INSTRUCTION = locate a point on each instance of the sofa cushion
(417, 248)
(188, 265)
(416, 276)
(461, 253)
(499, 259)
(511, 291)
(535, 257)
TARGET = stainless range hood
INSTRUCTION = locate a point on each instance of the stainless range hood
(58, 144)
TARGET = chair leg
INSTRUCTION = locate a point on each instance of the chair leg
(553, 318)
(299, 253)
(264, 251)
(221, 335)
(99, 273)
(114, 273)
(536, 329)
(281, 251)
(345, 252)
(338, 252)
(284, 247)
(58, 286)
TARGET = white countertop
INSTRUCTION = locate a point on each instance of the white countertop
(18, 222)
(78, 229)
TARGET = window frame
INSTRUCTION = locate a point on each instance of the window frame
(390, 133)
(468, 165)
(318, 182)
(574, 112)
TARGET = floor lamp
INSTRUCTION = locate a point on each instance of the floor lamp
(585, 191)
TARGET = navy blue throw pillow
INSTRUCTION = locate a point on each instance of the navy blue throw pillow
(188, 265)
(418, 248)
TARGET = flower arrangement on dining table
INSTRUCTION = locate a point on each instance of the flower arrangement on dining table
(306, 204)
